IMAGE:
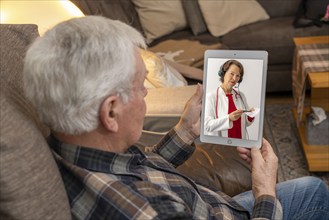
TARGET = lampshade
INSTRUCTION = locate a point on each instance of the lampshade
(45, 13)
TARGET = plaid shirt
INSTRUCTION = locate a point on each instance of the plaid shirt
(139, 185)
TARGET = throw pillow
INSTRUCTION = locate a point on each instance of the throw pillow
(160, 74)
(159, 18)
(223, 16)
(194, 16)
(187, 52)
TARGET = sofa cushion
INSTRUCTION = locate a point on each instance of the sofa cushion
(274, 35)
(224, 16)
(194, 16)
(279, 77)
(31, 185)
(204, 38)
(159, 18)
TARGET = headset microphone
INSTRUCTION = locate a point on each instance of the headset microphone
(221, 71)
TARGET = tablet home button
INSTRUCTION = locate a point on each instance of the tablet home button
(229, 141)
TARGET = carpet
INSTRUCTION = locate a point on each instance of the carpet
(280, 130)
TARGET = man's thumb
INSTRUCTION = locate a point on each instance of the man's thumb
(256, 154)
(198, 92)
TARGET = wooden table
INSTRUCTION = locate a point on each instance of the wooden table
(317, 156)
(319, 89)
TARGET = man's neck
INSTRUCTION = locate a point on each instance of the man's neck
(94, 139)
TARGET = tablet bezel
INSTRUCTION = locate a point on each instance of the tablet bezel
(235, 54)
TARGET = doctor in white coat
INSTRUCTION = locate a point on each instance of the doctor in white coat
(225, 107)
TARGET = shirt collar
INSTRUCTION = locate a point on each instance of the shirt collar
(221, 90)
(97, 160)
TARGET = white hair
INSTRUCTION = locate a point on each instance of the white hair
(77, 64)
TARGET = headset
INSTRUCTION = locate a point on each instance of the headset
(224, 67)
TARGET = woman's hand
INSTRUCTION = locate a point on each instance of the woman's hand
(233, 116)
(188, 127)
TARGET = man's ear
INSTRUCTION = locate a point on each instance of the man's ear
(108, 113)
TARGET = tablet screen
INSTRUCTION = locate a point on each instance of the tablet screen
(234, 97)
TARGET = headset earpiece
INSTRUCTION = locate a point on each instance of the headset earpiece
(241, 78)
(221, 72)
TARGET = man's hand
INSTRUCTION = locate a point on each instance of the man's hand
(188, 127)
(264, 166)
(244, 153)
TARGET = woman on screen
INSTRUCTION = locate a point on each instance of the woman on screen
(226, 106)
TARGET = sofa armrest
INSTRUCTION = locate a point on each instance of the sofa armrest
(31, 184)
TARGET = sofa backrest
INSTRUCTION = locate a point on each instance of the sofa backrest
(30, 183)
(123, 10)
(275, 8)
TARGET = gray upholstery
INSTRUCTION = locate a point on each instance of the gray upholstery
(122, 10)
(31, 185)
(194, 16)
(316, 8)
(274, 35)
(275, 8)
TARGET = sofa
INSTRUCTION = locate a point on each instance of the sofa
(30, 183)
(182, 30)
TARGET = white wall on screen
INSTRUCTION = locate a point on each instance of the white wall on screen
(251, 85)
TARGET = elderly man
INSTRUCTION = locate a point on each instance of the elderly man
(86, 79)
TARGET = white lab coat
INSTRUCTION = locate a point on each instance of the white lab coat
(219, 126)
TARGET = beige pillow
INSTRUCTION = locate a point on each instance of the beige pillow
(159, 17)
(160, 74)
(168, 101)
(223, 16)
(187, 52)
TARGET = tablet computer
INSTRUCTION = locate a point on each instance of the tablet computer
(234, 97)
